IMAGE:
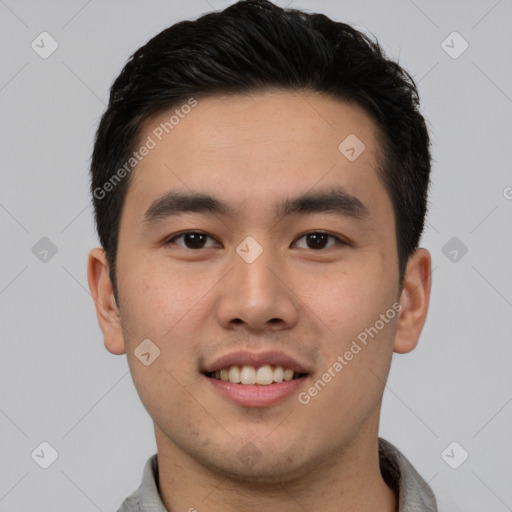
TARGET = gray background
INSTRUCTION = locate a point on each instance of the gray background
(58, 383)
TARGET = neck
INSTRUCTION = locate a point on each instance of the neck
(348, 480)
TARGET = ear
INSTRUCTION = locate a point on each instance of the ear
(414, 301)
(108, 314)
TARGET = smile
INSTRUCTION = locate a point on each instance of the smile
(249, 375)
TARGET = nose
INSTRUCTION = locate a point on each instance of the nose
(256, 296)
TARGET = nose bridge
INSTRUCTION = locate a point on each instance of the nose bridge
(254, 292)
(257, 280)
(257, 274)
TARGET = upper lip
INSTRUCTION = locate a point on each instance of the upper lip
(246, 358)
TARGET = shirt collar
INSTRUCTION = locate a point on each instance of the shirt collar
(414, 494)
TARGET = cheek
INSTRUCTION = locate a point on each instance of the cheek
(353, 296)
(162, 306)
(155, 298)
(152, 311)
(365, 313)
(357, 357)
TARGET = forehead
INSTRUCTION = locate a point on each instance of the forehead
(250, 149)
(265, 118)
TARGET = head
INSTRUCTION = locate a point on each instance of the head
(247, 109)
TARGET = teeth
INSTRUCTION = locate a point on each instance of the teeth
(265, 375)
(288, 374)
(234, 375)
(249, 375)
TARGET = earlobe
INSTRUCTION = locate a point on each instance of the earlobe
(414, 301)
(107, 312)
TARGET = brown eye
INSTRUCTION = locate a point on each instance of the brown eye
(191, 240)
(319, 240)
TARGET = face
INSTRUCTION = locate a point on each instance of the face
(250, 241)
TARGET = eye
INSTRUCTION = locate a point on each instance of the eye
(195, 240)
(191, 240)
(318, 240)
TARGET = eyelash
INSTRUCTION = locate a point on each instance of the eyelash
(339, 241)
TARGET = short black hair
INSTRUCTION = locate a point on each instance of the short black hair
(255, 46)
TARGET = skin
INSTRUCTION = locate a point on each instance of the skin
(198, 304)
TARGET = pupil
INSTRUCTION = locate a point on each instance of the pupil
(194, 240)
(317, 240)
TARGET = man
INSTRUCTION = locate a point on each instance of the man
(260, 185)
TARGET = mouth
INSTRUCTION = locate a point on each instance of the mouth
(256, 380)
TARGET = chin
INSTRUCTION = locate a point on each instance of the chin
(252, 466)
(261, 474)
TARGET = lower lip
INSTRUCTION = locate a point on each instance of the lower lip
(257, 395)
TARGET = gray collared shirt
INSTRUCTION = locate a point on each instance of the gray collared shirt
(414, 494)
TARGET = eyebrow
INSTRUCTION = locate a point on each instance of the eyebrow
(336, 200)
